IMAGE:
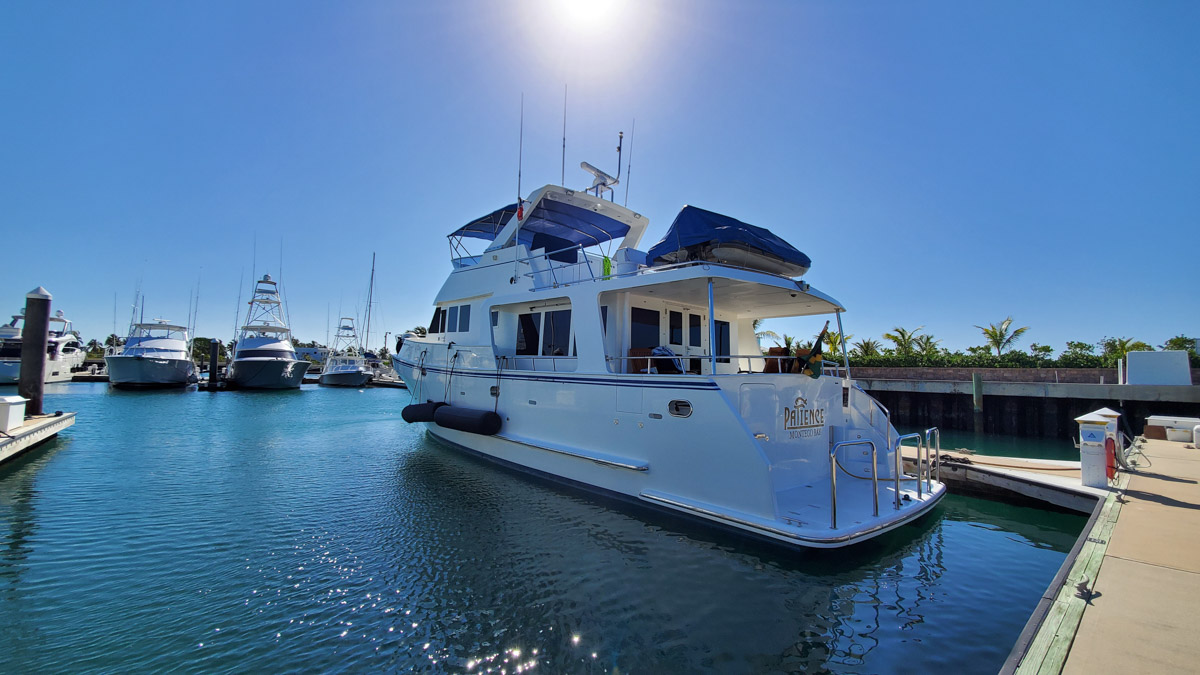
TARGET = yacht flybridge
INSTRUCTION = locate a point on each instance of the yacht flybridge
(639, 373)
(264, 357)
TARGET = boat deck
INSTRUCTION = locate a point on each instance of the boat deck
(1127, 600)
(34, 431)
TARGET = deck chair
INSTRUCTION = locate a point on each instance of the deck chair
(773, 364)
(639, 360)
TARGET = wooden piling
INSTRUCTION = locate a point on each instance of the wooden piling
(977, 399)
(214, 350)
(34, 335)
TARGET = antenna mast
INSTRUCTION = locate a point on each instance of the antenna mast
(612, 196)
(521, 149)
(629, 168)
(370, 294)
(564, 152)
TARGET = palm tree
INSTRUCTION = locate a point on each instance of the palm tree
(419, 331)
(867, 347)
(904, 339)
(834, 341)
(764, 334)
(789, 343)
(926, 345)
(1002, 336)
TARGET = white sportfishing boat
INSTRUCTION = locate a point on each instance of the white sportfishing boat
(264, 357)
(640, 375)
(156, 354)
(64, 351)
(345, 366)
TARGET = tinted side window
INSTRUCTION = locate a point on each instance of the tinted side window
(722, 339)
(675, 336)
(464, 318)
(556, 333)
(433, 323)
(643, 333)
(452, 319)
(694, 330)
(527, 334)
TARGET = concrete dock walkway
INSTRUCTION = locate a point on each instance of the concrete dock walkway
(33, 432)
(1128, 597)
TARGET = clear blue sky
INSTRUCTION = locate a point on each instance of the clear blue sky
(943, 163)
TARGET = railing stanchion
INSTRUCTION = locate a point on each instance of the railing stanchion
(833, 450)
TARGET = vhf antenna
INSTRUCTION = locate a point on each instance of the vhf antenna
(520, 149)
(629, 168)
(612, 194)
(563, 180)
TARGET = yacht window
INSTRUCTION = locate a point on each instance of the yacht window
(433, 323)
(265, 353)
(644, 331)
(464, 318)
(722, 340)
(693, 330)
(9, 350)
(556, 333)
(452, 320)
(675, 323)
(604, 320)
(527, 333)
(495, 319)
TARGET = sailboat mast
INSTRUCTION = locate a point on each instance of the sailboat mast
(370, 293)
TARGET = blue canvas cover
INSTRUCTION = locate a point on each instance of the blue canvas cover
(488, 226)
(697, 234)
(552, 225)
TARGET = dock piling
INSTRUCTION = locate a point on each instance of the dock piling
(34, 335)
(977, 399)
(214, 350)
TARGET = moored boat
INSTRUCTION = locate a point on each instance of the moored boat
(264, 357)
(64, 351)
(345, 366)
(155, 354)
(642, 376)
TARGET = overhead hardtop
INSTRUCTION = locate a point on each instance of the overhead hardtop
(701, 235)
(159, 324)
(555, 218)
(265, 328)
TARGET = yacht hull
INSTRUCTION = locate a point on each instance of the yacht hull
(736, 461)
(266, 373)
(56, 371)
(133, 371)
(345, 379)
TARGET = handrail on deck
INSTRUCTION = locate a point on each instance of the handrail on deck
(900, 463)
(833, 467)
(933, 434)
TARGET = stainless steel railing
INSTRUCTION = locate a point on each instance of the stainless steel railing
(833, 469)
(933, 440)
(900, 462)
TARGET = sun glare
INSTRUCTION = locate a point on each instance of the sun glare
(586, 17)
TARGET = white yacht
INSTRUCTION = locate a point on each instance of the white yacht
(64, 351)
(156, 354)
(264, 357)
(640, 375)
(345, 366)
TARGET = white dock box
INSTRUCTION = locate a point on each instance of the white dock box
(12, 412)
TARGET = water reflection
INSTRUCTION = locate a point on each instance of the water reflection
(534, 565)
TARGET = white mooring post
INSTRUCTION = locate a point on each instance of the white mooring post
(1093, 463)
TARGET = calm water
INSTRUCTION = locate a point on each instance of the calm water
(1007, 446)
(316, 531)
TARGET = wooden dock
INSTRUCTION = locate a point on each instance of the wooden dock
(1125, 598)
(33, 432)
